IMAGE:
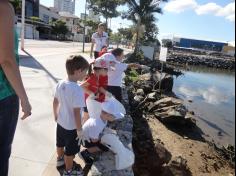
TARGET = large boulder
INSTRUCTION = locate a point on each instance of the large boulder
(166, 80)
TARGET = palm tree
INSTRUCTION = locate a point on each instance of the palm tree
(17, 5)
(146, 10)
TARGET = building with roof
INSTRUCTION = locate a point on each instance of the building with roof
(199, 44)
(73, 25)
(65, 6)
(91, 16)
(47, 15)
(31, 8)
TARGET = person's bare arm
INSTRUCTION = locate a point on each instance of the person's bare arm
(55, 108)
(7, 56)
(102, 90)
(92, 47)
(77, 114)
(134, 66)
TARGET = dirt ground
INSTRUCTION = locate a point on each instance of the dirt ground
(202, 159)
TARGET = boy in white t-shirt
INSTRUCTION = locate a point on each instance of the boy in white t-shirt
(115, 76)
(68, 104)
(100, 114)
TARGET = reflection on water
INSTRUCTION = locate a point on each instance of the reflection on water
(213, 95)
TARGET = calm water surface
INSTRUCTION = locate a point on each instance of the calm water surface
(213, 94)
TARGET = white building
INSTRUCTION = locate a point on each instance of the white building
(47, 15)
(91, 16)
(65, 6)
(72, 23)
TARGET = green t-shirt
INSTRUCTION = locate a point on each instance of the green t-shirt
(5, 88)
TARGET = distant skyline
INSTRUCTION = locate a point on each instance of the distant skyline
(201, 19)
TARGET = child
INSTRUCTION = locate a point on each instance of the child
(103, 51)
(67, 105)
(108, 111)
(115, 75)
(96, 83)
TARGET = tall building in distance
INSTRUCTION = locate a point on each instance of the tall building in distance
(31, 8)
(65, 6)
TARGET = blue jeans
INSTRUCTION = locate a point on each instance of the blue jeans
(9, 111)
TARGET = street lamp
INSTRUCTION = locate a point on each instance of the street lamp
(85, 19)
(23, 25)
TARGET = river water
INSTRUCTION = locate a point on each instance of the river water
(210, 93)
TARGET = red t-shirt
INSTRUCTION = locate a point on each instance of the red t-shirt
(95, 84)
(101, 53)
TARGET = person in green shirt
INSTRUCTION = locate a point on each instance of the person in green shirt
(11, 86)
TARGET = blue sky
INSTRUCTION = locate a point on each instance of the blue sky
(203, 19)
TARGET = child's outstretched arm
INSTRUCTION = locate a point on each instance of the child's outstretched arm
(133, 65)
(55, 108)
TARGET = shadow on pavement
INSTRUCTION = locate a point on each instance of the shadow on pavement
(30, 62)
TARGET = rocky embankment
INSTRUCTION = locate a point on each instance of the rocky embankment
(186, 58)
(162, 132)
(166, 138)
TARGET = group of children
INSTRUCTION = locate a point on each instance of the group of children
(83, 109)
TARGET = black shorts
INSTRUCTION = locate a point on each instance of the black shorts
(96, 54)
(67, 139)
(86, 109)
(116, 91)
(97, 144)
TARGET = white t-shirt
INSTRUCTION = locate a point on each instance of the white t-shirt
(70, 96)
(93, 127)
(100, 41)
(115, 76)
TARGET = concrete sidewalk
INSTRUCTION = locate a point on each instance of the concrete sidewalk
(34, 148)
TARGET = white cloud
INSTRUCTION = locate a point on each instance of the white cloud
(208, 9)
(178, 6)
(228, 12)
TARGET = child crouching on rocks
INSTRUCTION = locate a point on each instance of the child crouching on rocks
(100, 114)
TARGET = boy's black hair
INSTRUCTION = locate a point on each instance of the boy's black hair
(117, 52)
(76, 63)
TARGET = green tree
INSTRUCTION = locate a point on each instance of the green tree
(59, 29)
(107, 8)
(17, 5)
(92, 24)
(167, 43)
(127, 33)
(146, 10)
(116, 37)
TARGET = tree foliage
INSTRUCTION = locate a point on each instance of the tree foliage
(127, 33)
(16, 5)
(167, 43)
(59, 28)
(106, 8)
(146, 9)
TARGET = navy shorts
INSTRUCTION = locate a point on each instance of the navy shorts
(97, 144)
(116, 92)
(67, 139)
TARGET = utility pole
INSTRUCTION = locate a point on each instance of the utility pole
(85, 19)
(23, 25)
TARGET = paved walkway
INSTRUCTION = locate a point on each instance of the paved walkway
(34, 151)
